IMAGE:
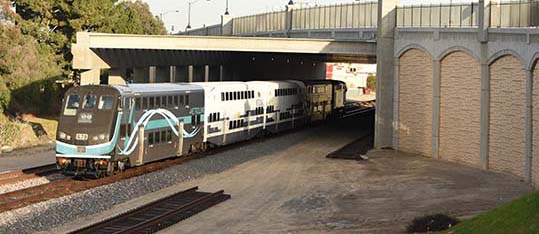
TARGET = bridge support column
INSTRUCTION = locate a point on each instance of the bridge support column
(206, 73)
(436, 108)
(190, 73)
(152, 74)
(385, 74)
(90, 77)
(484, 20)
(529, 125)
(118, 76)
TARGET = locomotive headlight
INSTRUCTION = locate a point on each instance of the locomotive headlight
(101, 136)
(94, 138)
(62, 135)
(86, 116)
(68, 137)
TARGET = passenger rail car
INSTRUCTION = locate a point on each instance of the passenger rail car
(106, 128)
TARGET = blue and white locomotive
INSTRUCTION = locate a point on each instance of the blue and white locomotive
(106, 128)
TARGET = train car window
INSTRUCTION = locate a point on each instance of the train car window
(138, 104)
(105, 103)
(163, 136)
(242, 94)
(218, 116)
(222, 96)
(151, 140)
(187, 100)
(156, 139)
(72, 105)
(89, 102)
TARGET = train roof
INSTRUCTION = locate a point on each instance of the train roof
(157, 87)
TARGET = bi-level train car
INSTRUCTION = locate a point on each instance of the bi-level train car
(104, 129)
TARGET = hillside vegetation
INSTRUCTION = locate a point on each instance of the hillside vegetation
(35, 53)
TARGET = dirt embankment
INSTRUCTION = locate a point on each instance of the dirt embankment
(26, 131)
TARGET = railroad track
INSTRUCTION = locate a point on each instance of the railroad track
(358, 108)
(26, 174)
(24, 197)
(159, 214)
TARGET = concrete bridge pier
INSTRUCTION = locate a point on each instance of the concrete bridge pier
(385, 74)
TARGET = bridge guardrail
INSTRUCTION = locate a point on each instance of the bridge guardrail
(513, 14)
(207, 30)
(440, 15)
(353, 15)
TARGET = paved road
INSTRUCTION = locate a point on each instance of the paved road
(27, 158)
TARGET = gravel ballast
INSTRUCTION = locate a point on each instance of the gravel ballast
(52, 213)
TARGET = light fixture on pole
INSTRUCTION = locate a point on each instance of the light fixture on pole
(189, 14)
(166, 12)
(226, 11)
(291, 2)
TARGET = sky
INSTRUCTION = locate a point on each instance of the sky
(209, 12)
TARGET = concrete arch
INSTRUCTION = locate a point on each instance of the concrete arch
(506, 52)
(415, 100)
(411, 47)
(533, 62)
(454, 49)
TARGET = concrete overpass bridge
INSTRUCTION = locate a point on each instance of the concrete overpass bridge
(194, 58)
(455, 81)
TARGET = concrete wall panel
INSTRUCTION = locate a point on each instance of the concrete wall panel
(415, 102)
(535, 159)
(507, 141)
(460, 106)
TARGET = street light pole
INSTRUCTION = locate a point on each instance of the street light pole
(189, 14)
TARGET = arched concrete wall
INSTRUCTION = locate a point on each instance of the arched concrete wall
(415, 102)
(535, 105)
(504, 64)
(460, 105)
(507, 134)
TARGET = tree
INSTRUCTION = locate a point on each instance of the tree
(23, 63)
(55, 22)
(135, 18)
(371, 81)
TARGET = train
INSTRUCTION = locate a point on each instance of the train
(104, 129)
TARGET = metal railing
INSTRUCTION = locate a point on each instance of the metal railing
(514, 14)
(354, 15)
(212, 30)
(440, 15)
(265, 22)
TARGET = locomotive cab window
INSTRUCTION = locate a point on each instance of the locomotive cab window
(89, 102)
(106, 102)
(72, 105)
